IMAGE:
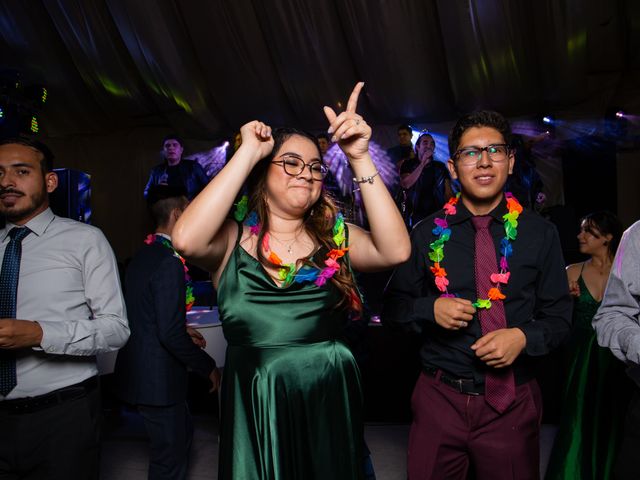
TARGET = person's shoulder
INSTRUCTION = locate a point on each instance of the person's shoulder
(536, 221)
(630, 241)
(439, 165)
(573, 270)
(423, 229)
(187, 162)
(68, 225)
(79, 237)
(154, 257)
(633, 230)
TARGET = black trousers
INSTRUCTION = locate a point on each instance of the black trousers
(59, 442)
(627, 465)
(170, 431)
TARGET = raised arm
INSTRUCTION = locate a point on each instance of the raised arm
(408, 180)
(200, 233)
(388, 242)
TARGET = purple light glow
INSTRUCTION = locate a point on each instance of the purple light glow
(211, 160)
(339, 166)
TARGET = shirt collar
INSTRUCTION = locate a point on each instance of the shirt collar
(37, 224)
(463, 214)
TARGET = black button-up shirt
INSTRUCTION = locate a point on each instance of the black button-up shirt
(537, 302)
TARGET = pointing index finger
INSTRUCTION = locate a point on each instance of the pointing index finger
(353, 99)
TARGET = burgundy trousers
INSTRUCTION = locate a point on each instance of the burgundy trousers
(452, 432)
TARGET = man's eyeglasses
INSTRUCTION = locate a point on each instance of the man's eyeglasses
(294, 166)
(469, 156)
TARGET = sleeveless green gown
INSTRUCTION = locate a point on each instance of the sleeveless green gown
(291, 395)
(595, 400)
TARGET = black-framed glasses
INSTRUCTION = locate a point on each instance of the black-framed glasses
(468, 156)
(294, 166)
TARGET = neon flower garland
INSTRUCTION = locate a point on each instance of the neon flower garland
(307, 273)
(287, 272)
(189, 298)
(436, 255)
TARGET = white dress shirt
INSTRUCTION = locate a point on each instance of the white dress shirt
(69, 284)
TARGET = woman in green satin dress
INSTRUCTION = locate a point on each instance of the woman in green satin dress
(291, 397)
(597, 390)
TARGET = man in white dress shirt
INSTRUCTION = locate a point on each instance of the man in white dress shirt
(67, 307)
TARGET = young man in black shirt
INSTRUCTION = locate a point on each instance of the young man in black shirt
(176, 171)
(486, 288)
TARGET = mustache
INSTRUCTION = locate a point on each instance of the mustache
(10, 190)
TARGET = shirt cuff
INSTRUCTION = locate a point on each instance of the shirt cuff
(54, 336)
(630, 344)
(535, 346)
(422, 311)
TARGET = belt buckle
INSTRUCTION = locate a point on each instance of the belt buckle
(458, 383)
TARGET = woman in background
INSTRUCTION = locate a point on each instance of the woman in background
(597, 389)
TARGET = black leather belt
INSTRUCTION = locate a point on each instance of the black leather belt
(34, 404)
(462, 385)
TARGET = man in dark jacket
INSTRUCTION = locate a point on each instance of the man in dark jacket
(175, 171)
(151, 370)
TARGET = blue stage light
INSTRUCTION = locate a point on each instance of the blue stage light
(547, 120)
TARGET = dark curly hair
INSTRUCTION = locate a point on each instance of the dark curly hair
(481, 118)
(318, 221)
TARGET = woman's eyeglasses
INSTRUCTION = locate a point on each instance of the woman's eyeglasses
(294, 166)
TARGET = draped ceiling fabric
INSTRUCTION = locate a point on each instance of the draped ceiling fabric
(204, 67)
(121, 73)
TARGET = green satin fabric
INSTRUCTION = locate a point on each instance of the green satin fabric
(595, 400)
(291, 396)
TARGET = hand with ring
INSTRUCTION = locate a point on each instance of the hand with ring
(349, 129)
(453, 313)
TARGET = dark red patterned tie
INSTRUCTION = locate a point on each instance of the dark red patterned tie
(500, 390)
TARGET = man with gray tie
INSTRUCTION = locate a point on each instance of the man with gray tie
(60, 305)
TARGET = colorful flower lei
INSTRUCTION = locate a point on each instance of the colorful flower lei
(189, 298)
(307, 273)
(287, 271)
(436, 255)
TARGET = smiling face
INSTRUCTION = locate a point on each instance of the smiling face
(591, 241)
(425, 146)
(292, 196)
(24, 187)
(482, 184)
